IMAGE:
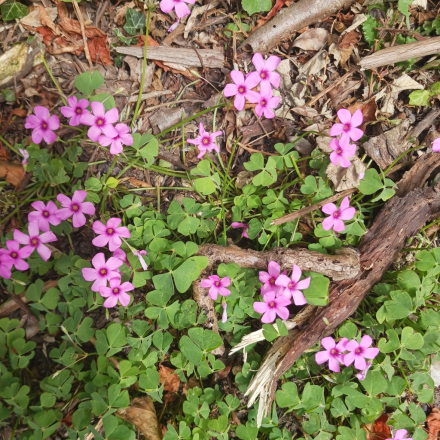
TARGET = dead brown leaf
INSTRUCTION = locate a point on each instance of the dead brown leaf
(172, 381)
(136, 182)
(346, 178)
(345, 53)
(192, 383)
(349, 38)
(12, 172)
(99, 51)
(433, 421)
(142, 414)
(70, 25)
(278, 5)
(47, 21)
(368, 109)
(312, 39)
(48, 35)
(378, 430)
(20, 112)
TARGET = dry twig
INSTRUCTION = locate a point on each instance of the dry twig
(83, 32)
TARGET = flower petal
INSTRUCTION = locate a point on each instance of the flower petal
(237, 77)
(321, 357)
(344, 116)
(328, 343)
(230, 89)
(269, 316)
(333, 365)
(258, 61)
(371, 353)
(357, 118)
(260, 307)
(329, 208)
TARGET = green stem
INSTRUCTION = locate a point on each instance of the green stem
(63, 98)
(144, 66)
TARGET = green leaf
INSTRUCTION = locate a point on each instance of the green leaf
(150, 380)
(9, 95)
(12, 10)
(371, 182)
(374, 383)
(190, 350)
(106, 99)
(268, 174)
(134, 21)
(88, 81)
(248, 432)
(419, 97)
(205, 185)
(188, 272)
(400, 306)
(393, 343)
(255, 6)
(411, 340)
(81, 418)
(317, 292)
(112, 182)
(309, 186)
(371, 34)
(287, 397)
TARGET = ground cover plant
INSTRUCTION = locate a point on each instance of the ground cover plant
(206, 233)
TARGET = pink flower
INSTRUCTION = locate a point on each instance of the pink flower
(332, 353)
(42, 125)
(119, 253)
(342, 150)
(181, 8)
(205, 141)
(16, 255)
(103, 271)
(217, 286)
(140, 254)
(44, 215)
(337, 215)
(241, 225)
(272, 306)
(123, 137)
(400, 435)
(100, 121)
(359, 352)
(75, 207)
(25, 155)
(174, 25)
(225, 313)
(265, 105)
(269, 278)
(5, 264)
(348, 125)
(35, 241)
(115, 292)
(110, 234)
(265, 72)
(75, 110)
(361, 175)
(363, 374)
(436, 146)
(242, 89)
(293, 286)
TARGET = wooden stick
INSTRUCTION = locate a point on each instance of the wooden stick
(83, 32)
(403, 52)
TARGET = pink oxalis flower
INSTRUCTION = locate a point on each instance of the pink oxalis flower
(75, 110)
(400, 435)
(217, 286)
(342, 150)
(241, 225)
(242, 89)
(140, 256)
(265, 73)
(265, 105)
(363, 374)
(225, 313)
(25, 155)
(348, 126)
(42, 125)
(333, 353)
(270, 277)
(291, 287)
(101, 121)
(16, 255)
(358, 352)
(102, 271)
(5, 265)
(272, 306)
(44, 215)
(174, 25)
(110, 234)
(337, 216)
(116, 292)
(75, 208)
(122, 138)
(205, 141)
(179, 6)
(436, 146)
(35, 241)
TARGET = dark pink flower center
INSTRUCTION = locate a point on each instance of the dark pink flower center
(44, 125)
(46, 214)
(358, 350)
(14, 254)
(334, 351)
(205, 141)
(263, 74)
(100, 122)
(110, 231)
(34, 241)
(339, 151)
(116, 290)
(272, 281)
(242, 89)
(263, 103)
(291, 285)
(75, 207)
(103, 271)
(272, 304)
(78, 110)
(217, 284)
(346, 127)
(336, 214)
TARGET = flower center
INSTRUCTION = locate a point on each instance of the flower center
(110, 231)
(358, 350)
(263, 75)
(44, 125)
(346, 127)
(103, 271)
(217, 284)
(46, 214)
(242, 89)
(291, 285)
(336, 214)
(272, 281)
(34, 241)
(263, 103)
(272, 304)
(205, 141)
(75, 207)
(100, 122)
(115, 290)
(78, 110)
(14, 254)
(333, 351)
(339, 151)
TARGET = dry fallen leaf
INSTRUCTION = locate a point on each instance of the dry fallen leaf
(346, 178)
(312, 39)
(349, 38)
(70, 25)
(192, 383)
(172, 381)
(433, 421)
(99, 51)
(33, 19)
(368, 109)
(142, 414)
(12, 172)
(46, 20)
(378, 430)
